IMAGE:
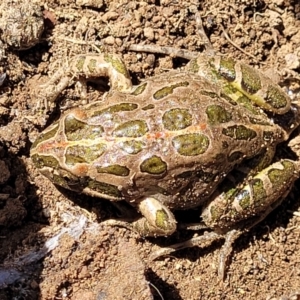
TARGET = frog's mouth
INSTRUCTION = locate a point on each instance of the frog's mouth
(64, 179)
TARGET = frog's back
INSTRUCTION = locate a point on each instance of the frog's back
(168, 134)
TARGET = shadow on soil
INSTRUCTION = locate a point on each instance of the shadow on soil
(21, 219)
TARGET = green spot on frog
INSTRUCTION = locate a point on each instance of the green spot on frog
(216, 212)
(256, 203)
(228, 89)
(117, 64)
(92, 65)
(153, 165)
(42, 161)
(278, 176)
(276, 97)
(158, 190)
(114, 170)
(80, 63)
(234, 96)
(162, 219)
(205, 176)
(136, 128)
(251, 82)
(217, 114)
(76, 130)
(115, 109)
(104, 188)
(59, 180)
(248, 104)
(84, 154)
(239, 132)
(72, 160)
(139, 89)
(190, 144)
(177, 119)
(227, 69)
(67, 180)
(132, 147)
(46, 135)
(260, 161)
(168, 90)
(149, 106)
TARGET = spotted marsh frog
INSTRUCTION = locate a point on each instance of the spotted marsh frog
(169, 143)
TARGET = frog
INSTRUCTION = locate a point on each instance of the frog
(202, 137)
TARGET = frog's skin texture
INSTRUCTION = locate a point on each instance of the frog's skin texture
(169, 143)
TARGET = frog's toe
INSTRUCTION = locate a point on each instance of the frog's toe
(119, 223)
(203, 240)
(226, 251)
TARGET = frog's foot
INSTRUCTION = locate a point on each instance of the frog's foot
(226, 250)
(118, 223)
(84, 67)
(186, 54)
(202, 241)
(158, 220)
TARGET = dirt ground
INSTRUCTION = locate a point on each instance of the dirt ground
(52, 244)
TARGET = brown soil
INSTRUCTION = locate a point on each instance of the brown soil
(53, 245)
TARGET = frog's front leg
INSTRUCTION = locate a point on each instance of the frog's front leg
(85, 67)
(157, 219)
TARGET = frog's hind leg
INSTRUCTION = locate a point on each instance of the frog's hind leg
(239, 209)
(232, 235)
(255, 198)
(233, 212)
(85, 67)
